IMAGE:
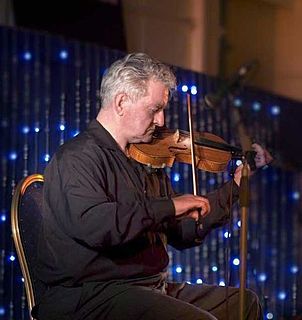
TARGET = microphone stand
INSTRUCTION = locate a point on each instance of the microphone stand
(248, 159)
(212, 100)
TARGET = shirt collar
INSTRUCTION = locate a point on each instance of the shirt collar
(102, 137)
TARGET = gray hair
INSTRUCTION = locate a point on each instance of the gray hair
(131, 75)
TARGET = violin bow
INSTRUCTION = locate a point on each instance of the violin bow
(193, 158)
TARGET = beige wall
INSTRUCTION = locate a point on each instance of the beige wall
(171, 30)
(270, 31)
(187, 34)
(250, 34)
(288, 54)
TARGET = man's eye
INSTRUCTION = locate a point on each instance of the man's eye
(157, 109)
(154, 110)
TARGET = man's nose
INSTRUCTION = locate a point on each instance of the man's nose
(159, 118)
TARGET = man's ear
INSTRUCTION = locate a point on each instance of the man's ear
(120, 102)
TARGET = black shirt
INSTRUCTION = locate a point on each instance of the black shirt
(104, 217)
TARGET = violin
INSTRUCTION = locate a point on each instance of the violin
(212, 153)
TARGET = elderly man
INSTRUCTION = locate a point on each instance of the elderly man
(108, 219)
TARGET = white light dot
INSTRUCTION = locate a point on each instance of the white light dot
(178, 269)
(296, 195)
(3, 217)
(282, 295)
(199, 281)
(25, 129)
(238, 162)
(4, 123)
(37, 129)
(262, 277)
(236, 262)
(239, 223)
(46, 157)
(76, 133)
(22, 279)
(184, 88)
(176, 177)
(63, 54)
(2, 311)
(237, 102)
(221, 283)
(13, 156)
(211, 181)
(294, 269)
(27, 55)
(193, 90)
(275, 110)
(214, 268)
(12, 258)
(269, 315)
(227, 234)
(256, 106)
(62, 127)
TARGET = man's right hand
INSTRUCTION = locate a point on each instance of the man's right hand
(189, 205)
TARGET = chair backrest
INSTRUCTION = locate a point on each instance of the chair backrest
(26, 217)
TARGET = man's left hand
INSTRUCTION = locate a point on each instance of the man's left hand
(262, 159)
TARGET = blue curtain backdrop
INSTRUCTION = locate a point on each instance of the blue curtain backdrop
(48, 93)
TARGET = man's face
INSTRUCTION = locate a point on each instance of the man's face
(142, 116)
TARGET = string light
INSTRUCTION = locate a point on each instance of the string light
(282, 295)
(262, 277)
(199, 281)
(184, 88)
(178, 269)
(214, 268)
(236, 262)
(237, 102)
(238, 163)
(296, 195)
(256, 106)
(2, 311)
(294, 269)
(193, 90)
(63, 54)
(27, 55)
(275, 110)
(25, 129)
(13, 155)
(212, 181)
(176, 177)
(227, 234)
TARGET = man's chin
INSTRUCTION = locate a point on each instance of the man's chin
(144, 139)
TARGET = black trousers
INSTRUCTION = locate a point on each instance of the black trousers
(127, 301)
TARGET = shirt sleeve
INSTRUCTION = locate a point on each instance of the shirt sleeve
(89, 214)
(185, 233)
